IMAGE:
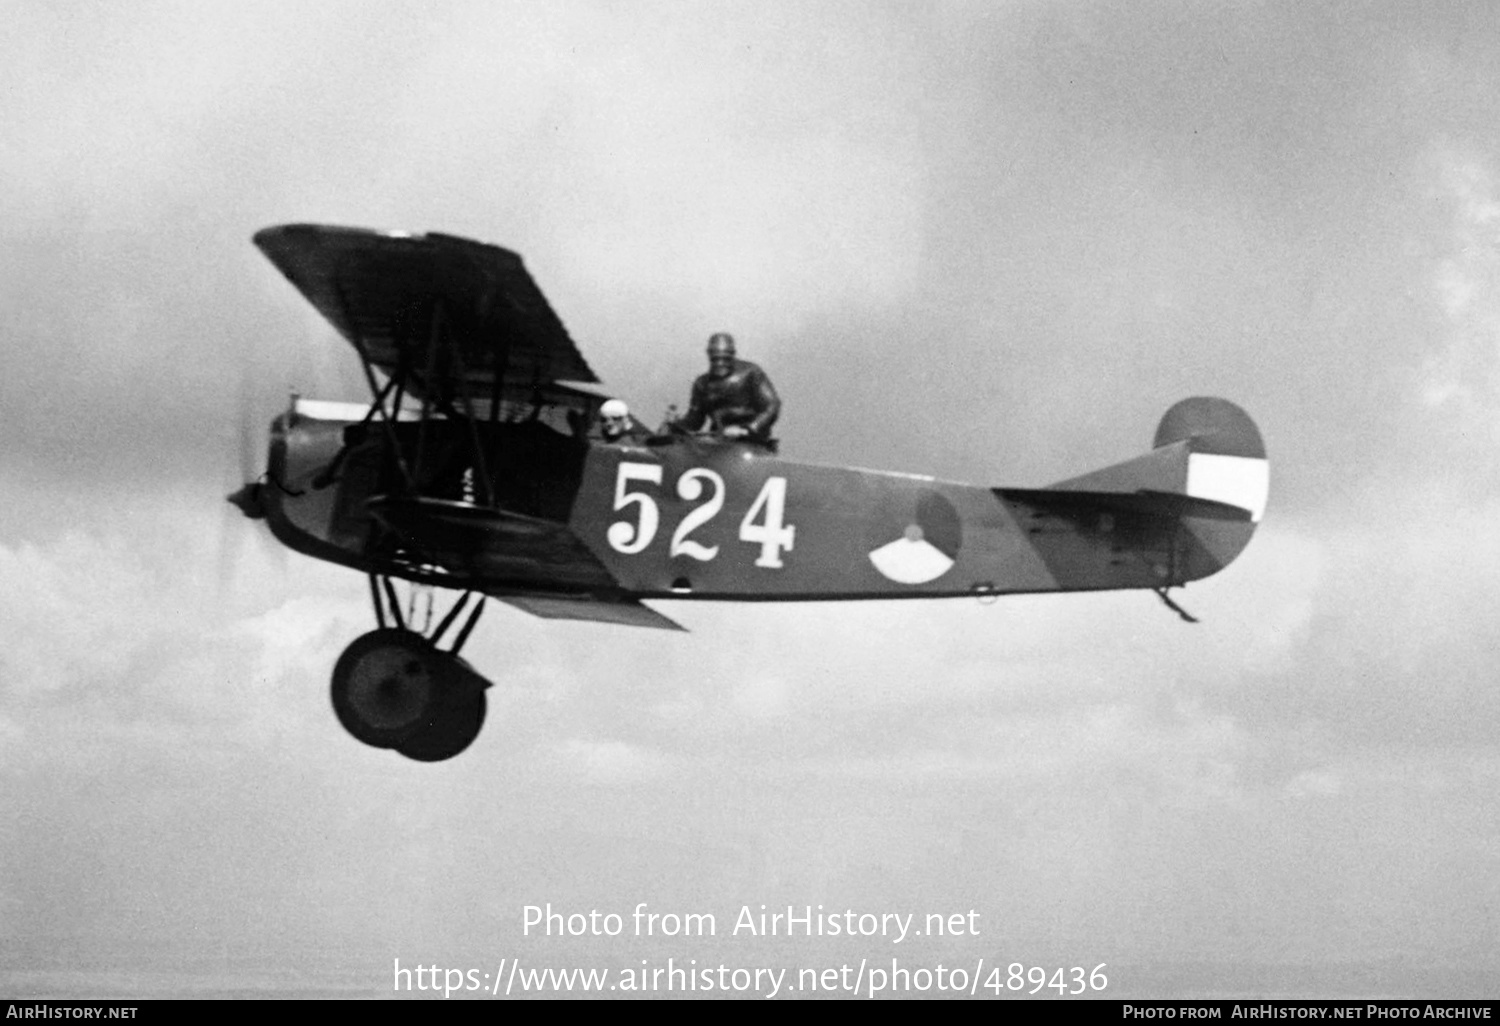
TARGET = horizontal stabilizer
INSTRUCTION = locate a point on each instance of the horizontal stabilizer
(1144, 501)
(628, 612)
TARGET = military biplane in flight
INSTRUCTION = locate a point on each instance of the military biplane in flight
(479, 468)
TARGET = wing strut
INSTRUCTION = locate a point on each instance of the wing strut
(329, 474)
(461, 382)
(383, 596)
(479, 461)
(497, 381)
(379, 394)
(458, 607)
(379, 605)
(463, 635)
(390, 591)
(432, 351)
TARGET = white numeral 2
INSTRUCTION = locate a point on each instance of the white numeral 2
(688, 488)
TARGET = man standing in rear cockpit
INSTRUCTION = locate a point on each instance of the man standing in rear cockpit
(735, 398)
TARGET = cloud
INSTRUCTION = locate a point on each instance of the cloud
(691, 163)
(615, 763)
(122, 641)
(1463, 375)
(1314, 783)
(979, 240)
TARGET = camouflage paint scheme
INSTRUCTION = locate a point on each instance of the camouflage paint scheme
(501, 483)
(705, 518)
(480, 466)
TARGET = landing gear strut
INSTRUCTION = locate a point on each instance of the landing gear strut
(394, 688)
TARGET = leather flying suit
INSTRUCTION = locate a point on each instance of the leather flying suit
(745, 396)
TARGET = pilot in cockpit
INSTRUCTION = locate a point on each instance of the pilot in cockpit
(735, 398)
(616, 424)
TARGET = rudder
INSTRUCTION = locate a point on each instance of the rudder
(1203, 487)
(1226, 459)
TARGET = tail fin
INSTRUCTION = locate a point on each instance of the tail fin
(1226, 458)
(1197, 495)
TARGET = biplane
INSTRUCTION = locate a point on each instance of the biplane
(478, 469)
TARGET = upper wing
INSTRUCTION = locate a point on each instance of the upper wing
(447, 316)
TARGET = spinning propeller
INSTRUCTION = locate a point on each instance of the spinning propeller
(246, 495)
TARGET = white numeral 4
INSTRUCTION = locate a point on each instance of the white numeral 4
(770, 533)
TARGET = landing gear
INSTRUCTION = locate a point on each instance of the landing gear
(455, 722)
(384, 687)
(394, 688)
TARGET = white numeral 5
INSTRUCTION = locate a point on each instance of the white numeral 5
(622, 534)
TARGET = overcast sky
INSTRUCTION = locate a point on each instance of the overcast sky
(988, 241)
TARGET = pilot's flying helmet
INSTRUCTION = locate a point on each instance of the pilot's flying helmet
(615, 414)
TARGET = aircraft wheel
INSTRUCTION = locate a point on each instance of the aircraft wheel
(453, 730)
(386, 686)
(456, 721)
